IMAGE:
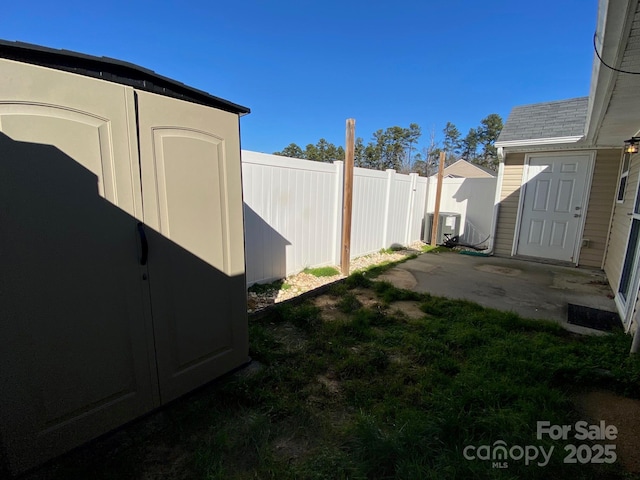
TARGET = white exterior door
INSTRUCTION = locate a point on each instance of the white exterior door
(76, 360)
(553, 206)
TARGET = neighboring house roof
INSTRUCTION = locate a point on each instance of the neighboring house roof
(465, 169)
(548, 122)
(113, 70)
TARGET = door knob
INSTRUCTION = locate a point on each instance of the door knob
(577, 215)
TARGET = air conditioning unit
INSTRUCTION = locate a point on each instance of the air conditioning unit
(448, 224)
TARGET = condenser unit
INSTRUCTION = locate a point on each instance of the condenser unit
(448, 226)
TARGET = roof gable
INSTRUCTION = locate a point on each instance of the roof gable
(465, 169)
(564, 118)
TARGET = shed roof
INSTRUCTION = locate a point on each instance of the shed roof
(112, 70)
(563, 118)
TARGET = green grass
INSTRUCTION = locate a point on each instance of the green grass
(376, 394)
(322, 271)
(266, 288)
(393, 248)
(435, 249)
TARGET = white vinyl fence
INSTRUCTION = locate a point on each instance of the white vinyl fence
(293, 212)
(388, 209)
(473, 199)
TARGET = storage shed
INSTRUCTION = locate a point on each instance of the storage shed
(121, 246)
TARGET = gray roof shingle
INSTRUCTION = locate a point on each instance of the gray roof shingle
(563, 118)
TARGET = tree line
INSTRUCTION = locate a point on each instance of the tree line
(400, 148)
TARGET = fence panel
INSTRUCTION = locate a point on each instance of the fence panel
(289, 215)
(369, 191)
(398, 210)
(472, 198)
(293, 213)
(419, 209)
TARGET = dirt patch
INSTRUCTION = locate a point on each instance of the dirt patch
(622, 412)
(367, 298)
(327, 304)
(330, 311)
(292, 338)
(410, 309)
(331, 385)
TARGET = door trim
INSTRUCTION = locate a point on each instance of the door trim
(585, 200)
(625, 312)
(624, 308)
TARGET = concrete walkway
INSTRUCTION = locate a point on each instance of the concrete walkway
(533, 290)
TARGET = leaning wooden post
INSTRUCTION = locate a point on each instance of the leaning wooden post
(436, 211)
(348, 196)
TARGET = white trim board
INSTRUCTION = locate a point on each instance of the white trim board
(539, 141)
(626, 309)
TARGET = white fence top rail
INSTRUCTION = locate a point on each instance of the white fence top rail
(286, 162)
(365, 172)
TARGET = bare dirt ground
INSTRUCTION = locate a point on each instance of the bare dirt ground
(622, 412)
(304, 282)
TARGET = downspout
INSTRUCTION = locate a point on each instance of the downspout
(496, 203)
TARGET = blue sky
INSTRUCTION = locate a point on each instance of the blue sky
(304, 67)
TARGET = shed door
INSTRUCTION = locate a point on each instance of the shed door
(75, 360)
(554, 203)
(191, 187)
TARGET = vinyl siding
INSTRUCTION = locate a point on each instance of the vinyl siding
(620, 226)
(601, 198)
(509, 199)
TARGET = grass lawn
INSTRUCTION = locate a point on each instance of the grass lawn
(370, 392)
(322, 271)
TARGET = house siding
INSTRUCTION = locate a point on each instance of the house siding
(598, 212)
(620, 226)
(509, 200)
(601, 199)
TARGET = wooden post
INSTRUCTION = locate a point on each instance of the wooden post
(436, 211)
(348, 196)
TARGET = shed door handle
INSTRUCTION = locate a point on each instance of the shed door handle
(143, 244)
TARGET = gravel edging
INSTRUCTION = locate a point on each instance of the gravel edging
(303, 286)
(297, 300)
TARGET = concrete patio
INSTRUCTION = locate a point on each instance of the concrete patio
(533, 290)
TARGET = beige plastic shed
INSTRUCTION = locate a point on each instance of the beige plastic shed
(122, 280)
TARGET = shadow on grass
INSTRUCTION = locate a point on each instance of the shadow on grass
(375, 394)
